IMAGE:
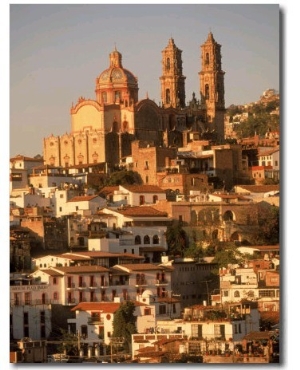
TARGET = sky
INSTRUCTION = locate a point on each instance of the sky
(57, 51)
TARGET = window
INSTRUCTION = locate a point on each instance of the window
(55, 296)
(54, 281)
(27, 298)
(137, 240)
(168, 64)
(147, 311)
(146, 239)
(219, 331)
(155, 198)
(196, 331)
(155, 239)
(168, 99)
(25, 318)
(142, 199)
(42, 317)
(236, 294)
(206, 91)
(84, 331)
(207, 58)
(162, 309)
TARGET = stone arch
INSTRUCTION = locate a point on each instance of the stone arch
(215, 234)
(229, 216)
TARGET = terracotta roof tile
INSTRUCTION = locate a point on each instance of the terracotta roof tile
(259, 188)
(142, 211)
(82, 198)
(143, 188)
(81, 269)
(140, 267)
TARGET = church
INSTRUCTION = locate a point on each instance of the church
(103, 129)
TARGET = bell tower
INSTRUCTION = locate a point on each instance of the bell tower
(212, 86)
(172, 80)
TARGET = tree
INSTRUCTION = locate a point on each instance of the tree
(68, 344)
(124, 324)
(229, 254)
(269, 224)
(124, 177)
(177, 239)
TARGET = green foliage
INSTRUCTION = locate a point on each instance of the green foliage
(269, 224)
(229, 253)
(124, 177)
(68, 343)
(177, 240)
(124, 323)
(257, 124)
(194, 251)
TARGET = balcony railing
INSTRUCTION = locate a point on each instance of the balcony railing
(95, 321)
(141, 283)
(93, 286)
(161, 282)
(29, 302)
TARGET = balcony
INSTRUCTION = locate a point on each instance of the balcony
(140, 283)
(93, 286)
(71, 302)
(82, 286)
(161, 282)
(71, 286)
(95, 321)
(30, 302)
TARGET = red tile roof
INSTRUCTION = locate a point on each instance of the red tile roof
(143, 188)
(140, 267)
(105, 307)
(81, 269)
(83, 198)
(259, 188)
(142, 211)
(51, 272)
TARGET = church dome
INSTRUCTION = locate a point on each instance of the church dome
(117, 75)
(116, 85)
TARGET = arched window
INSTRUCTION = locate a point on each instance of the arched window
(155, 239)
(207, 58)
(206, 91)
(236, 294)
(146, 239)
(168, 99)
(137, 240)
(228, 216)
(168, 64)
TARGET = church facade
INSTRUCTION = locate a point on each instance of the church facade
(103, 129)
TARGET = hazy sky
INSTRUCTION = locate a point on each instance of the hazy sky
(57, 51)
